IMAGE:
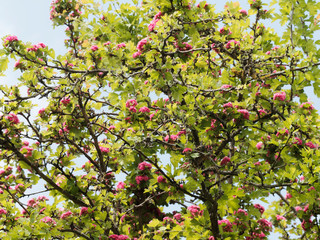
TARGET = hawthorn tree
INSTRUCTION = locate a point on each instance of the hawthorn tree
(184, 119)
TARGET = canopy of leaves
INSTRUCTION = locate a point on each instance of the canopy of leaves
(163, 120)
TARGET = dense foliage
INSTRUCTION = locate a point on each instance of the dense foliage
(163, 120)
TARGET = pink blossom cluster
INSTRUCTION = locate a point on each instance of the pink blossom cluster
(245, 113)
(232, 43)
(243, 12)
(183, 46)
(120, 45)
(120, 185)
(2, 211)
(279, 218)
(139, 179)
(13, 118)
(187, 150)
(226, 225)
(171, 137)
(65, 215)
(48, 220)
(83, 211)
(10, 39)
(19, 187)
(194, 210)
(265, 225)
(104, 149)
(259, 207)
(225, 161)
(154, 21)
(228, 105)
(35, 47)
(224, 31)
(131, 103)
(259, 145)
(281, 96)
(161, 179)
(64, 129)
(65, 101)
(41, 112)
(307, 105)
(144, 110)
(118, 237)
(140, 47)
(29, 151)
(94, 48)
(144, 166)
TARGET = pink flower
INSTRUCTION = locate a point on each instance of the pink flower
(187, 150)
(151, 26)
(225, 86)
(307, 105)
(177, 216)
(265, 224)
(41, 111)
(10, 39)
(194, 210)
(104, 149)
(281, 96)
(311, 145)
(19, 186)
(243, 12)
(94, 48)
(259, 207)
(17, 63)
(224, 31)
(2, 211)
(226, 225)
(132, 109)
(83, 210)
(32, 203)
(144, 110)
(48, 220)
(121, 45)
(120, 185)
(298, 208)
(242, 211)
(29, 151)
(12, 118)
(161, 179)
(118, 237)
(166, 138)
(42, 198)
(183, 46)
(211, 238)
(225, 161)
(65, 101)
(279, 218)
(299, 141)
(65, 215)
(131, 103)
(228, 105)
(245, 113)
(259, 145)
(141, 44)
(139, 179)
(232, 43)
(144, 166)
(136, 54)
(288, 196)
